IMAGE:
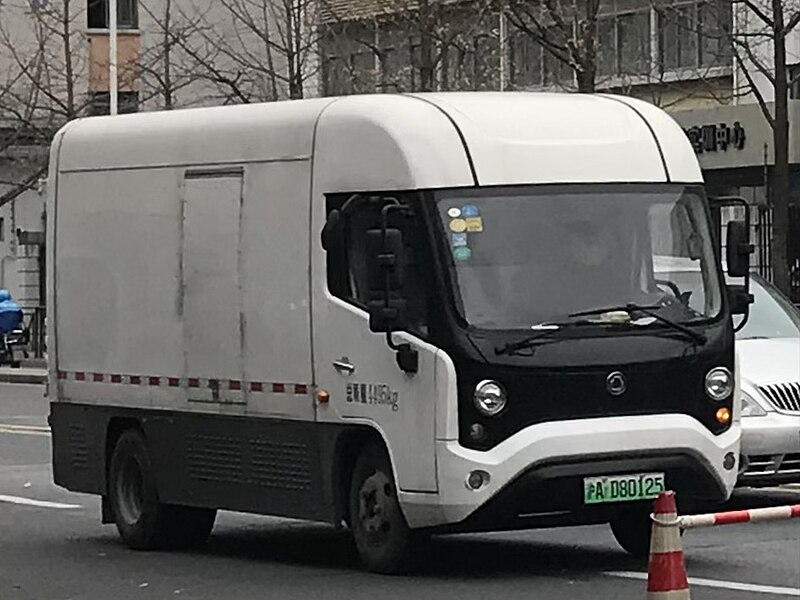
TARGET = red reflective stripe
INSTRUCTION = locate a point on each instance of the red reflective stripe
(795, 511)
(734, 516)
(667, 572)
(192, 382)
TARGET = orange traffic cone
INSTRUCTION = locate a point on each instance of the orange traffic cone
(666, 574)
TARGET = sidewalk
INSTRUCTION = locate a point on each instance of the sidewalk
(31, 372)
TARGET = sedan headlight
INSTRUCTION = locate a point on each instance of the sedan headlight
(490, 398)
(751, 408)
(719, 383)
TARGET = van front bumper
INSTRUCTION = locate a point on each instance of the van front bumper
(536, 476)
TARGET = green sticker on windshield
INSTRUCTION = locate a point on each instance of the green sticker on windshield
(462, 253)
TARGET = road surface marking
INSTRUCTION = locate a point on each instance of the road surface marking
(36, 503)
(714, 583)
(24, 429)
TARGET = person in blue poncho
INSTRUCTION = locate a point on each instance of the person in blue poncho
(10, 313)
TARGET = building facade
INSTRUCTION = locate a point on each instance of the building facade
(54, 67)
(672, 54)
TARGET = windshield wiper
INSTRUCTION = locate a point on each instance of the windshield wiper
(545, 330)
(649, 311)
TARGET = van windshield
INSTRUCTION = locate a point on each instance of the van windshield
(520, 257)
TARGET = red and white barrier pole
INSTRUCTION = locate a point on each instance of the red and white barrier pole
(666, 573)
(774, 513)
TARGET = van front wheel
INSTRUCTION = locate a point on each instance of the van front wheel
(383, 539)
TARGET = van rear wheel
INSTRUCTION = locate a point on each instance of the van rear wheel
(142, 521)
(384, 541)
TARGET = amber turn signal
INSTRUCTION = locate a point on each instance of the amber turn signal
(323, 397)
(723, 415)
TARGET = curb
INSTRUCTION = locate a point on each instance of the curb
(23, 378)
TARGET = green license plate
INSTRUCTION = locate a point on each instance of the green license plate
(622, 488)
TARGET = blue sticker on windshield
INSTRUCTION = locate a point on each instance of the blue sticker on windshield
(462, 254)
(459, 239)
(470, 210)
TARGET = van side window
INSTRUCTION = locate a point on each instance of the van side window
(347, 263)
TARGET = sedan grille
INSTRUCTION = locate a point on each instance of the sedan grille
(783, 396)
(781, 464)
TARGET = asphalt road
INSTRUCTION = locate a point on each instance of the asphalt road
(59, 550)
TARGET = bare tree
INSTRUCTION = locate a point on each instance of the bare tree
(170, 67)
(407, 46)
(759, 47)
(258, 50)
(567, 32)
(39, 51)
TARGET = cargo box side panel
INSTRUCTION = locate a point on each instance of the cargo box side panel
(275, 275)
(118, 287)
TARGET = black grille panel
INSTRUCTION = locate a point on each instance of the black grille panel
(783, 396)
(266, 463)
(214, 458)
(281, 465)
(78, 447)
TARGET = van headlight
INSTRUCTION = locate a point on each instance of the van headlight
(719, 383)
(489, 398)
(750, 407)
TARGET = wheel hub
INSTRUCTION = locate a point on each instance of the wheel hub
(130, 490)
(374, 500)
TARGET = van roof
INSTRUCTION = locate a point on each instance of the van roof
(445, 139)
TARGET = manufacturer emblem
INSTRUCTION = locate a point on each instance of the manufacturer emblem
(616, 383)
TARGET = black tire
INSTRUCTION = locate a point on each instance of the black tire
(383, 539)
(142, 521)
(633, 530)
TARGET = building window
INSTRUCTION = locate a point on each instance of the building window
(623, 42)
(694, 34)
(127, 14)
(532, 65)
(100, 103)
(526, 60)
(793, 73)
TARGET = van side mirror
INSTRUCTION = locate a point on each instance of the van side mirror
(385, 266)
(738, 249)
(740, 299)
(332, 232)
(385, 260)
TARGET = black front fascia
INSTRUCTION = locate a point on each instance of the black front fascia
(565, 379)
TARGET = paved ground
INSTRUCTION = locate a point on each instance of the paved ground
(59, 551)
